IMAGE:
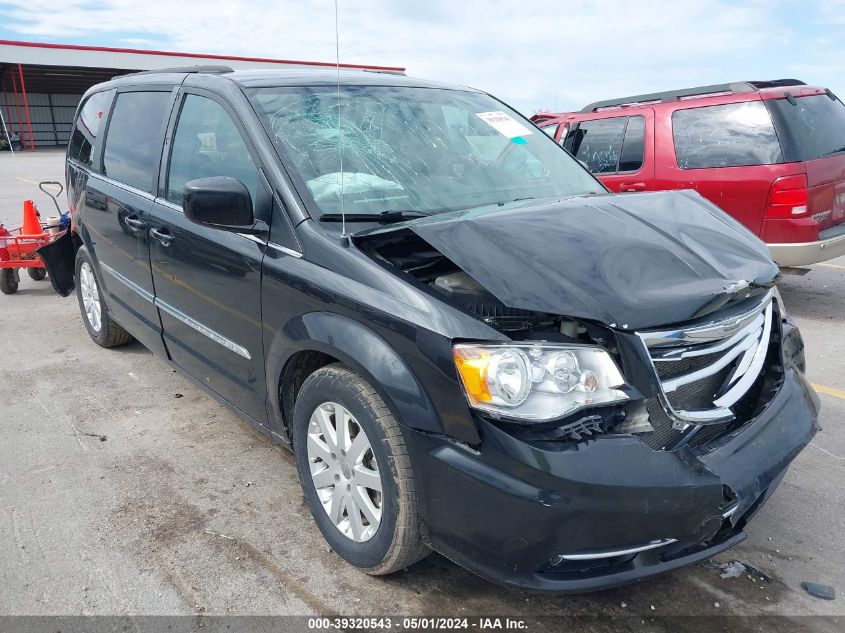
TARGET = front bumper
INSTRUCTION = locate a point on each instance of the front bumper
(830, 246)
(511, 509)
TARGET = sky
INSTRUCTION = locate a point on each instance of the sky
(533, 55)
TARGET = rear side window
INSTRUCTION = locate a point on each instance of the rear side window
(87, 126)
(730, 135)
(812, 128)
(133, 141)
(609, 146)
(633, 146)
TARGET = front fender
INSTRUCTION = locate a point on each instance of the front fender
(361, 349)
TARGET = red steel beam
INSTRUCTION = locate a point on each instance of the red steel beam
(77, 47)
(19, 120)
(26, 109)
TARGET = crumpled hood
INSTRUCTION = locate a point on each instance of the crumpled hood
(632, 261)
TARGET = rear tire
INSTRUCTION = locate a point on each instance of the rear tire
(102, 329)
(17, 146)
(366, 506)
(37, 274)
(9, 281)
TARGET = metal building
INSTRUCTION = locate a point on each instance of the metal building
(41, 84)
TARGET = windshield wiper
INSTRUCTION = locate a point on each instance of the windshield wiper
(385, 217)
(835, 151)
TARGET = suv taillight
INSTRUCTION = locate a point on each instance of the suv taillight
(788, 197)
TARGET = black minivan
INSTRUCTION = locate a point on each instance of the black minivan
(469, 344)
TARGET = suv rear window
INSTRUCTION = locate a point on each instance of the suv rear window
(609, 146)
(134, 138)
(812, 128)
(730, 135)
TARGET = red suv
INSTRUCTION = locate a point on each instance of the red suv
(770, 153)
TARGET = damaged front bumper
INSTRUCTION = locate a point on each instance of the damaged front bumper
(609, 511)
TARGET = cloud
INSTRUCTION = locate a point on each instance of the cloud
(530, 55)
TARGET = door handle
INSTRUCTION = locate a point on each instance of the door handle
(134, 223)
(162, 236)
(632, 186)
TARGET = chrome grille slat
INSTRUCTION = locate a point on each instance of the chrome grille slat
(726, 359)
(668, 355)
(742, 385)
(732, 347)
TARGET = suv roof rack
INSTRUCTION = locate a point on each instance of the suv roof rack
(213, 70)
(674, 95)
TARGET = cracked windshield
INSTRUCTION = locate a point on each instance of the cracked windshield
(414, 151)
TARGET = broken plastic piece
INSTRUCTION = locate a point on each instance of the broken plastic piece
(816, 590)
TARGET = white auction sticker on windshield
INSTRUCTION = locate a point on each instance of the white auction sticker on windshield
(504, 124)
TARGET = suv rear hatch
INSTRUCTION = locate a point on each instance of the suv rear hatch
(811, 130)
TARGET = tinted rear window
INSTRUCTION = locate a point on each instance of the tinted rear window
(812, 128)
(633, 146)
(87, 126)
(133, 142)
(731, 135)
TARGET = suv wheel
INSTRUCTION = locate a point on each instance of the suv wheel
(101, 328)
(355, 472)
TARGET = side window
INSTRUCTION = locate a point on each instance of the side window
(134, 137)
(207, 143)
(87, 126)
(599, 143)
(728, 135)
(633, 147)
(551, 130)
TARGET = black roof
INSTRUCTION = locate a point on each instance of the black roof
(270, 77)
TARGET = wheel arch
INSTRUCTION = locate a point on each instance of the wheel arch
(316, 339)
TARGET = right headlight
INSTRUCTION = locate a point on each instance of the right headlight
(537, 382)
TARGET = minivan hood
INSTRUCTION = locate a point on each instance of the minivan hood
(631, 261)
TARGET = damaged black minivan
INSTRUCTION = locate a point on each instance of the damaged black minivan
(470, 345)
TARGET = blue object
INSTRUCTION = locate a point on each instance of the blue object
(64, 222)
(519, 140)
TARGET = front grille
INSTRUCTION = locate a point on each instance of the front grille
(706, 368)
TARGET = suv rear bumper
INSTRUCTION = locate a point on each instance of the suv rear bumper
(830, 245)
(579, 517)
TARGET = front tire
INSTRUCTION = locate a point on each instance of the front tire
(355, 472)
(102, 329)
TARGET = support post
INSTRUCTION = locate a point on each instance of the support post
(19, 119)
(53, 119)
(26, 108)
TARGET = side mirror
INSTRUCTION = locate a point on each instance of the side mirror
(221, 202)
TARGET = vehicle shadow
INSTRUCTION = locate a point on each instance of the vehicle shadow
(816, 296)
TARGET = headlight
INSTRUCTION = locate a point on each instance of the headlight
(537, 381)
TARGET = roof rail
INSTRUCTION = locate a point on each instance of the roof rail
(738, 87)
(212, 70)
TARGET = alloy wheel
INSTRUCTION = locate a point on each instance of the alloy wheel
(90, 297)
(344, 471)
